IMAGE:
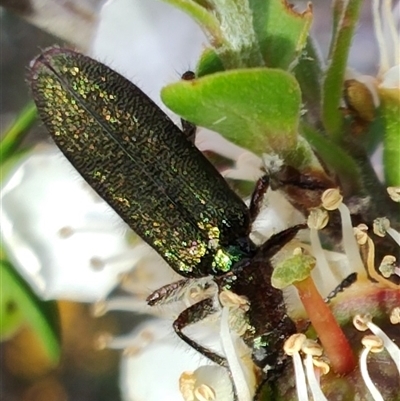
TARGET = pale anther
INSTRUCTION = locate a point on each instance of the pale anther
(317, 219)
(394, 193)
(230, 299)
(331, 199)
(360, 322)
(99, 308)
(298, 251)
(311, 347)
(387, 266)
(187, 381)
(97, 263)
(66, 232)
(395, 315)
(103, 340)
(373, 343)
(294, 343)
(360, 232)
(322, 364)
(381, 225)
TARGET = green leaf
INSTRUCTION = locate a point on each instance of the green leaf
(209, 63)
(308, 73)
(281, 31)
(335, 157)
(20, 305)
(16, 132)
(229, 25)
(257, 109)
(337, 62)
(390, 111)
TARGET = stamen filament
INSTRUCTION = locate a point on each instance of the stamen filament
(391, 347)
(292, 347)
(317, 220)
(377, 396)
(331, 200)
(312, 349)
(238, 377)
(131, 254)
(127, 304)
(322, 264)
(394, 234)
(349, 242)
(315, 388)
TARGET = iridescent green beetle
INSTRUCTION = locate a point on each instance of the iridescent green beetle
(163, 187)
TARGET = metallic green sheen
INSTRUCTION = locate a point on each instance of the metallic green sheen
(137, 160)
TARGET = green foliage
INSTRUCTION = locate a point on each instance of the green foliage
(16, 132)
(390, 109)
(345, 23)
(256, 108)
(295, 109)
(20, 306)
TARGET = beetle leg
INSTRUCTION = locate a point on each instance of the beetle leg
(188, 128)
(167, 293)
(172, 292)
(194, 314)
(257, 197)
(275, 243)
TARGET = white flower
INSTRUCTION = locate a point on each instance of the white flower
(152, 366)
(59, 234)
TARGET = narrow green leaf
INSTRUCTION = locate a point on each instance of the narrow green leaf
(335, 158)
(338, 8)
(19, 305)
(309, 75)
(390, 111)
(333, 84)
(16, 132)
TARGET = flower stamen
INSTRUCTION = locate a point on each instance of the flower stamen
(382, 227)
(332, 200)
(292, 348)
(388, 266)
(395, 315)
(312, 349)
(371, 344)
(394, 193)
(127, 304)
(317, 220)
(92, 227)
(98, 263)
(364, 322)
(238, 377)
(206, 383)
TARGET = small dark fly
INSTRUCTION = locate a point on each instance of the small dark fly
(162, 186)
